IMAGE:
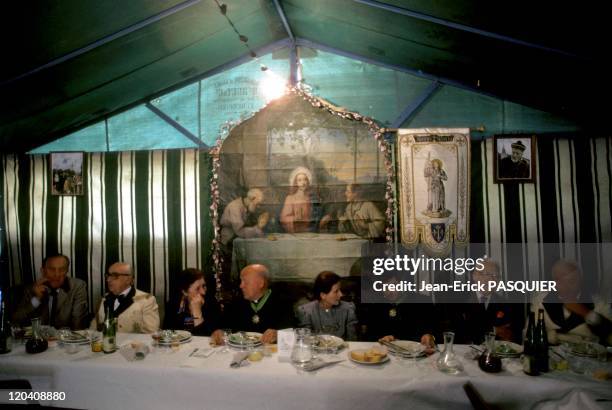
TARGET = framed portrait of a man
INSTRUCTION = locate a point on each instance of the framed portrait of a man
(514, 159)
(66, 173)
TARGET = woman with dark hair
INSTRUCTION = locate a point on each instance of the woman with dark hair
(192, 308)
(328, 314)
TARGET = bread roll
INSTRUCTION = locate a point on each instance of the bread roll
(359, 356)
(375, 355)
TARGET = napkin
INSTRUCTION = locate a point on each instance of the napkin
(285, 340)
(197, 357)
(238, 359)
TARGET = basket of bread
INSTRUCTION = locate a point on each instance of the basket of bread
(373, 355)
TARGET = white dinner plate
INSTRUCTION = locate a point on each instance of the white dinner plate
(501, 349)
(76, 338)
(329, 342)
(412, 349)
(245, 339)
(180, 336)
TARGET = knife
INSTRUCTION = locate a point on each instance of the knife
(396, 347)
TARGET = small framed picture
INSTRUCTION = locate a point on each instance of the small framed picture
(514, 159)
(66, 173)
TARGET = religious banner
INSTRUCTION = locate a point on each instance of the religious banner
(434, 187)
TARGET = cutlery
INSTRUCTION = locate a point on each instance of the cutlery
(558, 354)
(193, 352)
(319, 364)
(477, 349)
(400, 349)
(77, 335)
(394, 346)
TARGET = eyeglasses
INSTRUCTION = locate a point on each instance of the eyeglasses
(115, 275)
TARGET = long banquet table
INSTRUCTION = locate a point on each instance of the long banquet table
(168, 379)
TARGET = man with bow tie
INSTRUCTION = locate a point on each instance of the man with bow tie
(137, 311)
(57, 299)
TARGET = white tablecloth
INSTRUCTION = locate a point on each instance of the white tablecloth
(160, 381)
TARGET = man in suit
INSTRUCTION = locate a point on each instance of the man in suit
(487, 312)
(515, 166)
(137, 311)
(59, 301)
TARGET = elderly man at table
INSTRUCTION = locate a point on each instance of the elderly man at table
(59, 300)
(137, 311)
(236, 214)
(486, 311)
(568, 314)
(261, 309)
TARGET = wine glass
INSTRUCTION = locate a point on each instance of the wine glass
(63, 335)
(226, 338)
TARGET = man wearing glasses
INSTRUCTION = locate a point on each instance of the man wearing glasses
(59, 300)
(137, 311)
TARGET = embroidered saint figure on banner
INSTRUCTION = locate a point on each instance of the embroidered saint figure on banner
(434, 186)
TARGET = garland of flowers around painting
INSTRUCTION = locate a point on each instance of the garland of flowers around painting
(376, 131)
(214, 210)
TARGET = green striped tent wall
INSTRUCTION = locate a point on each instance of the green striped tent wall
(151, 208)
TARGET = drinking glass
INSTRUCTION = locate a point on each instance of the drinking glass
(302, 349)
(63, 335)
(72, 348)
(226, 338)
(18, 334)
(95, 338)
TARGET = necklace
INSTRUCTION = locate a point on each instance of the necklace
(257, 306)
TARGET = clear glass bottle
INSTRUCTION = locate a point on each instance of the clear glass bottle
(489, 361)
(302, 347)
(449, 362)
(36, 344)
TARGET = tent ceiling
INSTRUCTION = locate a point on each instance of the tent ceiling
(72, 62)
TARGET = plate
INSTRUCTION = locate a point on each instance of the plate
(324, 343)
(508, 349)
(76, 338)
(245, 339)
(383, 359)
(412, 349)
(583, 350)
(180, 336)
